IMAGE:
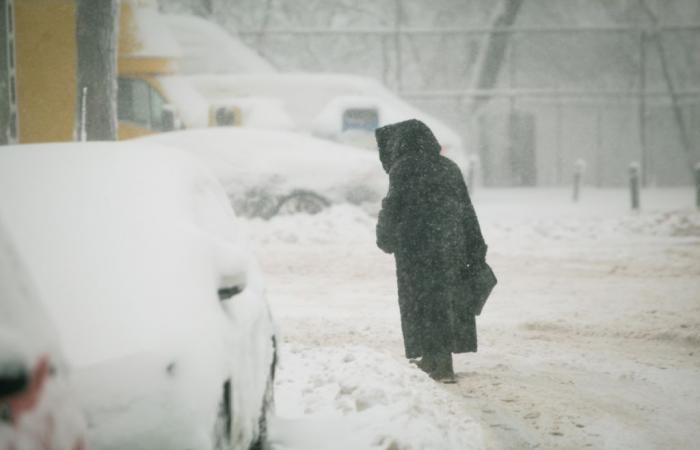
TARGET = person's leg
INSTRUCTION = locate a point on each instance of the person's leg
(443, 370)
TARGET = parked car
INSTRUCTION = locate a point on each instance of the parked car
(266, 172)
(155, 294)
(340, 107)
(37, 407)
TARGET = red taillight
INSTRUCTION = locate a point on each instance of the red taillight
(26, 400)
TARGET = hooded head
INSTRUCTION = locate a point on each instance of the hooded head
(404, 138)
(386, 140)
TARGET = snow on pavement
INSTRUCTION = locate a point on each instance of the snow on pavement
(589, 341)
(354, 397)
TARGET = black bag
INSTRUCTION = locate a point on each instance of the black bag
(480, 281)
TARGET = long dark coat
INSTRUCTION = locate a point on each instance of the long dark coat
(428, 222)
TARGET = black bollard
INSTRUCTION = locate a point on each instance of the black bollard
(634, 185)
(697, 185)
(579, 167)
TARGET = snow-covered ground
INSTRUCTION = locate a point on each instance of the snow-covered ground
(590, 340)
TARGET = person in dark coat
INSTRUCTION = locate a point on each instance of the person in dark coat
(428, 222)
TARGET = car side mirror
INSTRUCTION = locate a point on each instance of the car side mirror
(231, 285)
(14, 377)
(228, 292)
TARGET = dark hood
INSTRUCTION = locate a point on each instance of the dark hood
(399, 139)
(385, 137)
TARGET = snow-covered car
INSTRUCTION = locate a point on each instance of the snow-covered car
(340, 107)
(155, 294)
(269, 172)
(205, 47)
(37, 407)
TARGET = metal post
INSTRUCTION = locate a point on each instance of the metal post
(516, 169)
(579, 168)
(10, 131)
(697, 185)
(397, 43)
(82, 135)
(559, 149)
(599, 163)
(634, 171)
(385, 66)
(644, 157)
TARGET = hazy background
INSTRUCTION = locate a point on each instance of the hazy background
(579, 79)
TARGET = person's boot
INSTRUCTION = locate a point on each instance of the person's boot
(427, 364)
(443, 371)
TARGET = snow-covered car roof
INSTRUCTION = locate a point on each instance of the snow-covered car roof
(277, 161)
(149, 32)
(120, 236)
(313, 100)
(206, 47)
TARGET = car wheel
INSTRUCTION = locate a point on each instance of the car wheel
(268, 402)
(268, 406)
(222, 426)
(256, 202)
(301, 201)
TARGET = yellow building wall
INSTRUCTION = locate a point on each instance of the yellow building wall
(46, 69)
(46, 61)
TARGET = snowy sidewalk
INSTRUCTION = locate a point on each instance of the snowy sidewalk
(357, 398)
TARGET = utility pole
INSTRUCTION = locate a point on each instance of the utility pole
(96, 28)
(683, 131)
(397, 44)
(8, 75)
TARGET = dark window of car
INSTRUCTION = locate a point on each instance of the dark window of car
(225, 117)
(360, 119)
(139, 103)
(133, 104)
(157, 107)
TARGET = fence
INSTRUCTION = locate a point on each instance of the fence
(605, 94)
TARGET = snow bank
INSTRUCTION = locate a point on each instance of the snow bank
(515, 221)
(345, 224)
(357, 398)
(208, 48)
(519, 220)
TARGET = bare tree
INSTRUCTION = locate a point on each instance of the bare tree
(494, 50)
(96, 37)
(668, 80)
